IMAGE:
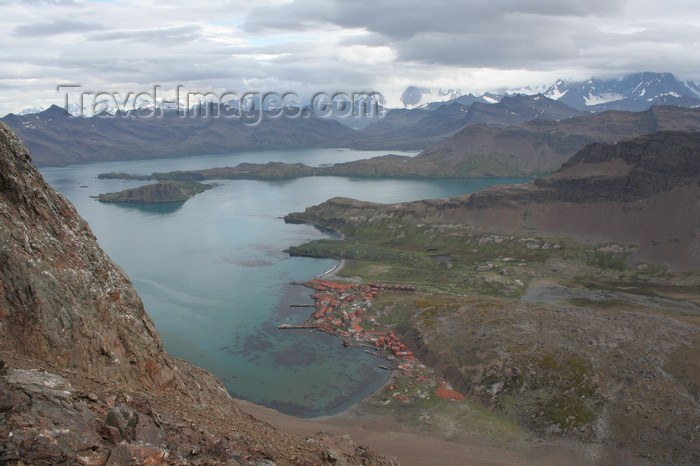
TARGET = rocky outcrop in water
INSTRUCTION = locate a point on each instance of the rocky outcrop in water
(84, 377)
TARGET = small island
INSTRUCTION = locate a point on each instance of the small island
(157, 193)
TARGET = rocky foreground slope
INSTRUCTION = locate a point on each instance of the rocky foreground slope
(84, 378)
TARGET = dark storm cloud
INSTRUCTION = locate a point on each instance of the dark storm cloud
(501, 33)
(412, 17)
(471, 51)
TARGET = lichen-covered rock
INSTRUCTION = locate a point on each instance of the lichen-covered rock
(84, 378)
(61, 298)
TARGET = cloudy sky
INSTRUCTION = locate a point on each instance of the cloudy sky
(307, 46)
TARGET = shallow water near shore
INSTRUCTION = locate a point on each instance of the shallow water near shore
(214, 277)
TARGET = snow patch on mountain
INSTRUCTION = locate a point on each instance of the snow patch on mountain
(414, 97)
(31, 110)
(593, 99)
(556, 93)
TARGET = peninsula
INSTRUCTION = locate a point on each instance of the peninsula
(568, 307)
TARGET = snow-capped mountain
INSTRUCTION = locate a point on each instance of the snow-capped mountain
(31, 110)
(635, 92)
(73, 108)
(414, 97)
(431, 99)
(632, 92)
(695, 87)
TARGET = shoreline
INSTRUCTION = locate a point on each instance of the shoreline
(411, 444)
(333, 272)
(336, 297)
(330, 274)
(348, 401)
(319, 227)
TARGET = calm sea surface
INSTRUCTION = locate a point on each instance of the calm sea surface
(212, 274)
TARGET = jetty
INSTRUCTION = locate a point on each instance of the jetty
(375, 354)
(287, 326)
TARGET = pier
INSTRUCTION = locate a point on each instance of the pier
(287, 326)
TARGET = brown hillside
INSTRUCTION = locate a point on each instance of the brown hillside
(84, 378)
(537, 147)
(642, 191)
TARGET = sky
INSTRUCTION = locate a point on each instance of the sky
(309, 46)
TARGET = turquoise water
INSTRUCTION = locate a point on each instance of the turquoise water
(213, 275)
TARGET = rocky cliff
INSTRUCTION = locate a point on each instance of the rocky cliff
(84, 377)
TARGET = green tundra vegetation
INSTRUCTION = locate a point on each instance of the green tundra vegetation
(570, 367)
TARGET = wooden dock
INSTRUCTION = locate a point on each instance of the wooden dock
(287, 326)
(375, 354)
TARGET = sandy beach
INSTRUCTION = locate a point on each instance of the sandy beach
(332, 273)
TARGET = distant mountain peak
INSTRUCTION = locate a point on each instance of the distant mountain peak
(55, 109)
(632, 92)
(415, 96)
(31, 110)
(51, 110)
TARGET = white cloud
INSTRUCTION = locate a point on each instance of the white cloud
(308, 46)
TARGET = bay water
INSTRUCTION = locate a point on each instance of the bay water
(213, 275)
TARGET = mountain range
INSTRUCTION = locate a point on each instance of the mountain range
(633, 92)
(532, 148)
(54, 136)
(536, 147)
(84, 375)
(642, 190)
(442, 130)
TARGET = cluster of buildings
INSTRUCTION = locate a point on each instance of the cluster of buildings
(342, 309)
